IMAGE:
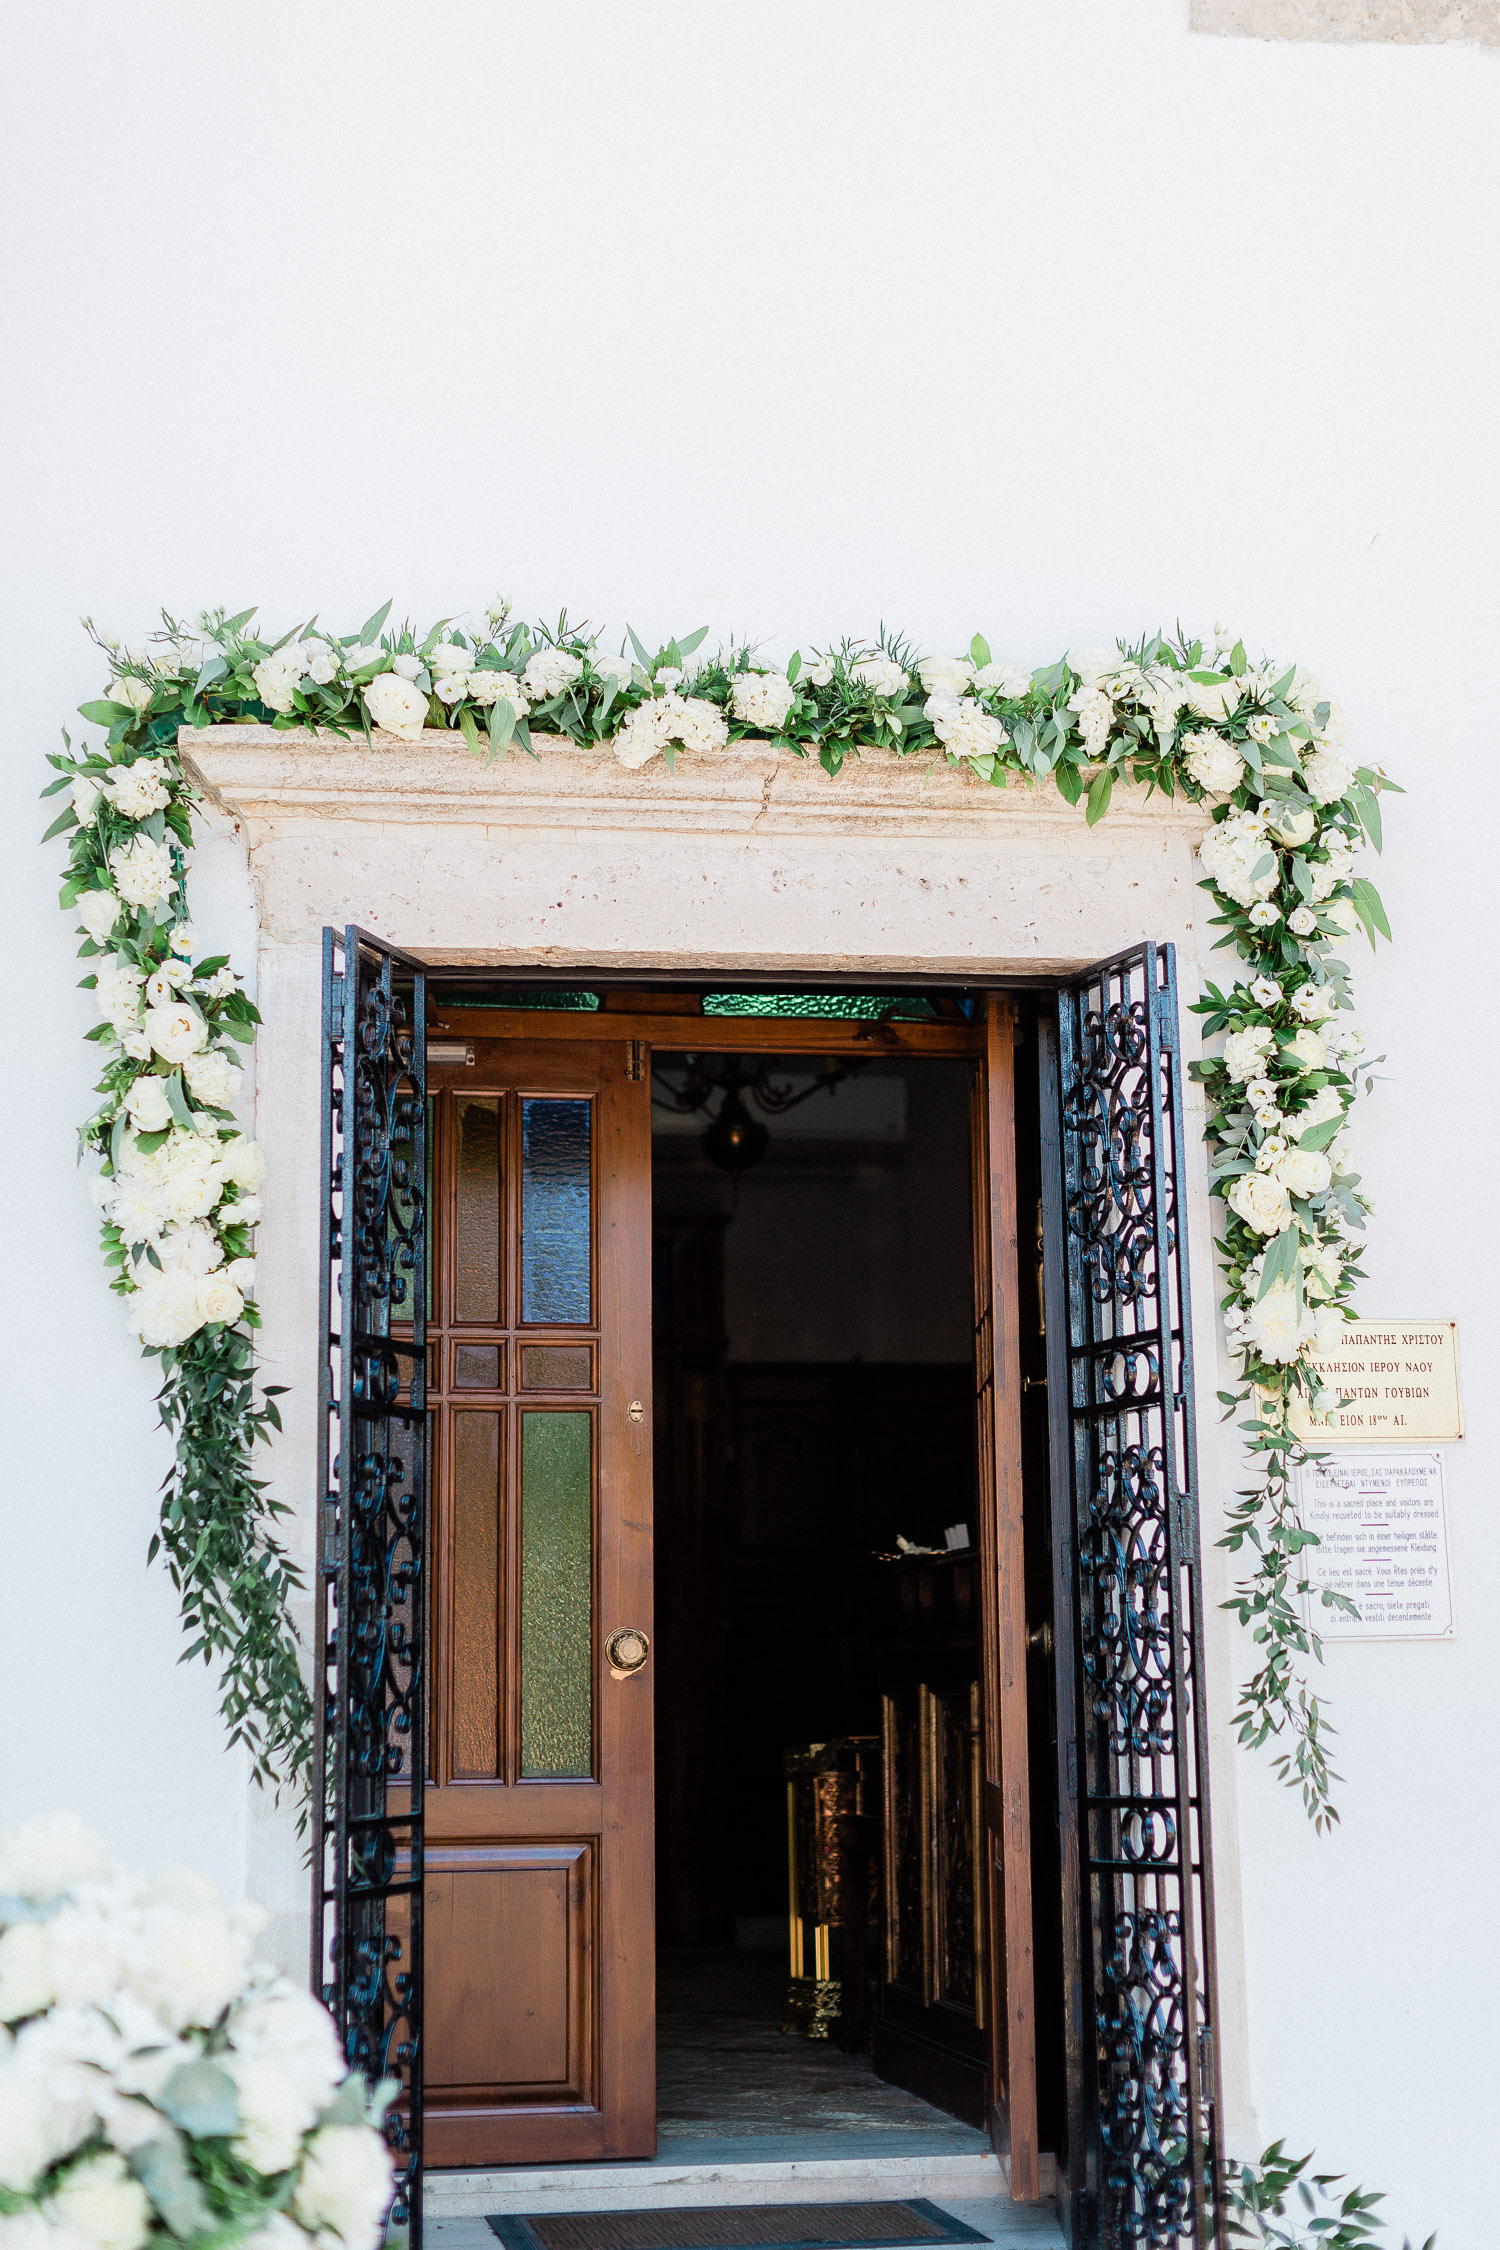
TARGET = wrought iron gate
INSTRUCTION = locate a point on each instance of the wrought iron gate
(372, 1482)
(1143, 2129)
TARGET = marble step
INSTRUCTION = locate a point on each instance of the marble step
(683, 2177)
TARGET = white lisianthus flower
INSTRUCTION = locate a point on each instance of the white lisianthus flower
(451, 688)
(395, 705)
(821, 671)
(142, 870)
(101, 2202)
(175, 1031)
(344, 2185)
(1214, 763)
(1293, 826)
(1260, 1091)
(1265, 992)
(1094, 664)
(164, 1312)
(135, 1043)
(243, 1163)
(549, 671)
(882, 675)
(1268, 1117)
(763, 699)
(1303, 1172)
(1308, 1050)
(500, 687)
(83, 796)
(1008, 681)
(147, 1105)
(1312, 1002)
(1274, 1328)
(1264, 914)
(1302, 922)
(1325, 1104)
(184, 941)
(1273, 1146)
(26, 1979)
(160, 989)
(136, 791)
(219, 985)
(965, 728)
(1261, 1201)
(1231, 856)
(406, 666)
(98, 911)
(1263, 727)
(449, 656)
(1341, 912)
(1245, 1051)
(117, 991)
(214, 1077)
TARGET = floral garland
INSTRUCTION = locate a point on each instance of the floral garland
(1262, 743)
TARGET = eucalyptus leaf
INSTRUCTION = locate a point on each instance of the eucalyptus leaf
(175, 2192)
(202, 2098)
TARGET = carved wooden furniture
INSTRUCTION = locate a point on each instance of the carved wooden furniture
(833, 1830)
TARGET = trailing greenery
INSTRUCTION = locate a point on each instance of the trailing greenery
(1278, 2204)
(1261, 744)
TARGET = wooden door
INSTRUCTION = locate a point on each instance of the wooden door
(1005, 1793)
(540, 2017)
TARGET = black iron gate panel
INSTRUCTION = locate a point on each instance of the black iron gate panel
(372, 1529)
(1143, 2166)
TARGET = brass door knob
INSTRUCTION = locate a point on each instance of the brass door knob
(627, 1650)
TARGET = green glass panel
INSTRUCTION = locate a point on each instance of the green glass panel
(476, 1238)
(518, 996)
(863, 1007)
(557, 1576)
(476, 1594)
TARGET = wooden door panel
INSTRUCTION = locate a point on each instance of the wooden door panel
(510, 1933)
(540, 2011)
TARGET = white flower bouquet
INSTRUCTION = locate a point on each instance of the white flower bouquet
(157, 2083)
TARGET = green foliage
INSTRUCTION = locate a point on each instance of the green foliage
(1279, 2204)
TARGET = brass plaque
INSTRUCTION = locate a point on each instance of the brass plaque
(1398, 1380)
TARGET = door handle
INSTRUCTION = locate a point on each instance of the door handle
(627, 1651)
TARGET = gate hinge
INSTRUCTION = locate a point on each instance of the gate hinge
(1206, 2055)
(635, 1060)
(1166, 1023)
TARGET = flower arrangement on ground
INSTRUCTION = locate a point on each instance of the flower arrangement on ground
(157, 2082)
(1261, 744)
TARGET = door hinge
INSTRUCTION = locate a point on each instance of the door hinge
(635, 1060)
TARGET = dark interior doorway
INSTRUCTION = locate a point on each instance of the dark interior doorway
(814, 1386)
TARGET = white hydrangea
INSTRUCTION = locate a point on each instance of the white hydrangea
(689, 721)
(214, 1077)
(882, 675)
(1325, 1104)
(616, 668)
(950, 676)
(763, 699)
(1095, 714)
(549, 671)
(448, 657)
(1274, 1328)
(50, 1853)
(142, 870)
(100, 2201)
(344, 2186)
(499, 687)
(1245, 1051)
(1005, 680)
(117, 991)
(1329, 773)
(964, 727)
(1214, 763)
(1231, 854)
(285, 2061)
(136, 791)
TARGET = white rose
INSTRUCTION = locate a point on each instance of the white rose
(147, 1104)
(214, 1078)
(883, 675)
(1005, 680)
(100, 2201)
(1302, 922)
(395, 706)
(500, 687)
(1303, 1172)
(1273, 1326)
(345, 2183)
(48, 1854)
(244, 1213)
(117, 991)
(616, 668)
(1261, 1201)
(219, 1300)
(135, 694)
(278, 676)
(1293, 827)
(820, 672)
(549, 671)
(175, 1031)
(1341, 912)
(243, 1163)
(447, 657)
(1214, 763)
(26, 1980)
(406, 666)
(84, 798)
(142, 871)
(1308, 1050)
(98, 911)
(164, 1312)
(1094, 664)
(241, 1271)
(320, 662)
(1329, 774)
(763, 699)
(136, 791)
(1231, 856)
(1245, 1051)
(949, 676)
(1312, 1002)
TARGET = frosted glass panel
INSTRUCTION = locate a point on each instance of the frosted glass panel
(476, 1593)
(557, 1367)
(477, 1367)
(557, 1569)
(555, 1211)
(476, 1242)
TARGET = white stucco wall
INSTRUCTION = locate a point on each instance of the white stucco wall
(1054, 321)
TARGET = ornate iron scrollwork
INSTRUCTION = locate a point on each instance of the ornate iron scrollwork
(372, 1470)
(1125, 1468)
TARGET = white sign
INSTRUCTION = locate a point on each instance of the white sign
(1398, 1383)
(1383, 1532)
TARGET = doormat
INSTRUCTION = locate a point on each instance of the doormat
(738, 2226)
